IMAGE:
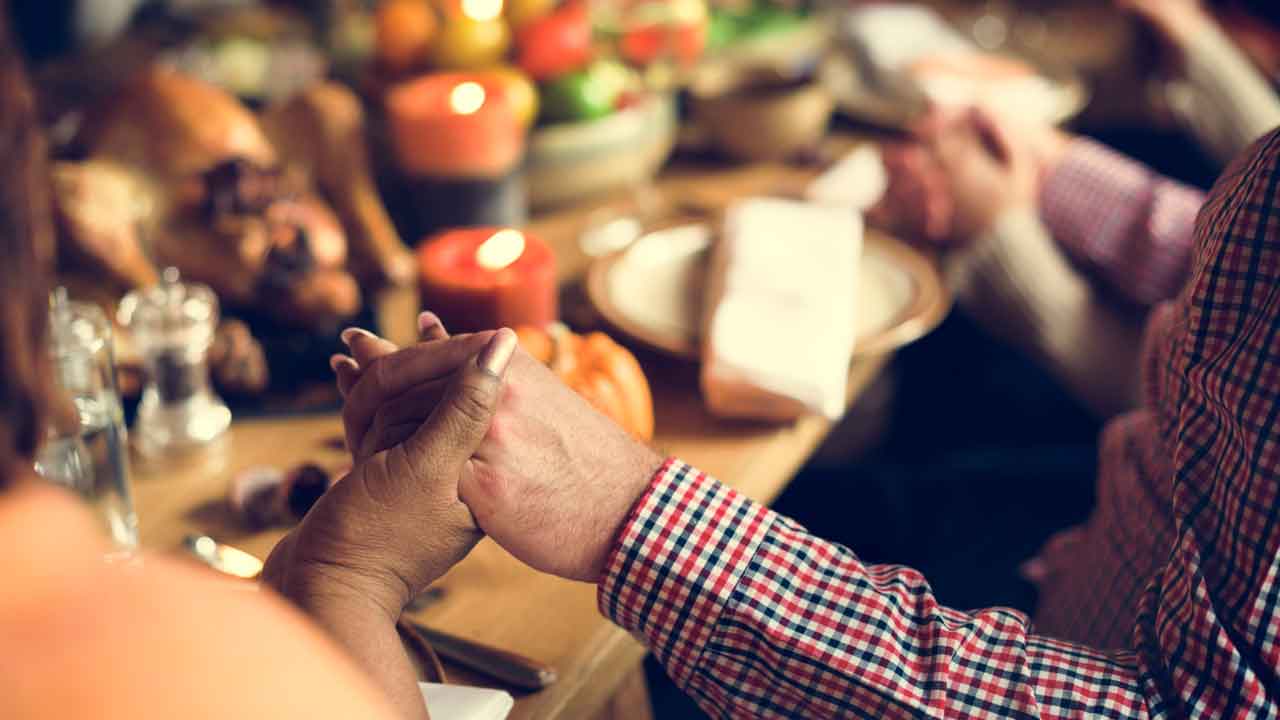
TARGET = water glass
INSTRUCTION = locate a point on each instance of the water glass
(86, 447)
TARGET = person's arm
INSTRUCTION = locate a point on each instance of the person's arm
(1019, 286)
(161, 638)
(1223, 97)
(754, 617)
(1225, 101)
(751, 615)
(395, 524)
(1119, 219)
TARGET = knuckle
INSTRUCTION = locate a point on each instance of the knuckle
(378, 426)
(378, 376)
(471, 401)
(389, 470)
(349, 415)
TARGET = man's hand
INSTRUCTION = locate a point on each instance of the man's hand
(555, 479)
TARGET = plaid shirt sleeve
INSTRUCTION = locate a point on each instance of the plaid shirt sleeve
(754, 617)
(1118, 219)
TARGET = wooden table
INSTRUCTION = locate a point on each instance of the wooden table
(490, 597)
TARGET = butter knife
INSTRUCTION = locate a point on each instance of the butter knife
(513, 669)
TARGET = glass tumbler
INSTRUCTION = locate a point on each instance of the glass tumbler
(86, 447)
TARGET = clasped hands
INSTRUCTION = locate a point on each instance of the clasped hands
(452, 439)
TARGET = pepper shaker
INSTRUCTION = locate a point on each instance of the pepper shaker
(173, 325)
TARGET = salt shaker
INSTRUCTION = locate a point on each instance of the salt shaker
(173, 325)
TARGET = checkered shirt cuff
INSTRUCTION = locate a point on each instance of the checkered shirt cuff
(1089, 200)
(677, 562)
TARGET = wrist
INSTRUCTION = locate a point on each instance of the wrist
(1015, 221)
(1051, 148)
(639, 479)
(326, 590)
(1183, 25)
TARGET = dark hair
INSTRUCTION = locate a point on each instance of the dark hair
(26, 242)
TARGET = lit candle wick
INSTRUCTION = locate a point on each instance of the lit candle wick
(466, 97)
(501, 250)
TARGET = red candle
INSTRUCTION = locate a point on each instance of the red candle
(484, 278)
(454, 125)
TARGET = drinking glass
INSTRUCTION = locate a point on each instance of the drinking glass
(86, 446)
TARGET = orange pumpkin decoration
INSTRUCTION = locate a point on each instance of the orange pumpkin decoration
(598, 369)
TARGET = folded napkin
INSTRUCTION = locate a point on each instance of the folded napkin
(915, 44)
(779, 322)
(893, 36)
(459, 702)
(857, 181)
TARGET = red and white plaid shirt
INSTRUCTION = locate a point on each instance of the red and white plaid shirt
(754, 617)
(1136, 230)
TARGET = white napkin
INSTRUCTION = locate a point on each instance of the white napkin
(459, 702)
(779, 319)
(857, 181)
(1031, 98)
(896, 35)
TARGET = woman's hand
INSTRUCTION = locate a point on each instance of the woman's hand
(553, 480)
(396, 523)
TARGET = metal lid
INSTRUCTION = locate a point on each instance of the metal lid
(171, 310)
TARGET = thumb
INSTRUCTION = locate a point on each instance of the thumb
(456, 427)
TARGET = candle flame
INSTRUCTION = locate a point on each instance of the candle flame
(466, 97)
(501, 250)
(482, 10)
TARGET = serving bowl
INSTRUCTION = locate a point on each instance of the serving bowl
(567, 162)
(760, 114)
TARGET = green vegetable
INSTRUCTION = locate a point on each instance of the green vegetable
(722, 29)
(727, 27)
(586, 94)
(768, 19)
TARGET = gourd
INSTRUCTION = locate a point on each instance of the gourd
(600, 370)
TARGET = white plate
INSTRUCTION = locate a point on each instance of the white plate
(653, 291)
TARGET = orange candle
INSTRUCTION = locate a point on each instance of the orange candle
(454, 125)
(484, 278)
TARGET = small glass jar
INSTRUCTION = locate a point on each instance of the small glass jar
(173, 325)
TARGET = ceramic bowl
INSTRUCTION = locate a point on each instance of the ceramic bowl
(568, 162)
(760, 115)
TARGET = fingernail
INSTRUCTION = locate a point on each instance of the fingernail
(351, 332)
(426, 321)
(337, 361)
(496, 355)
